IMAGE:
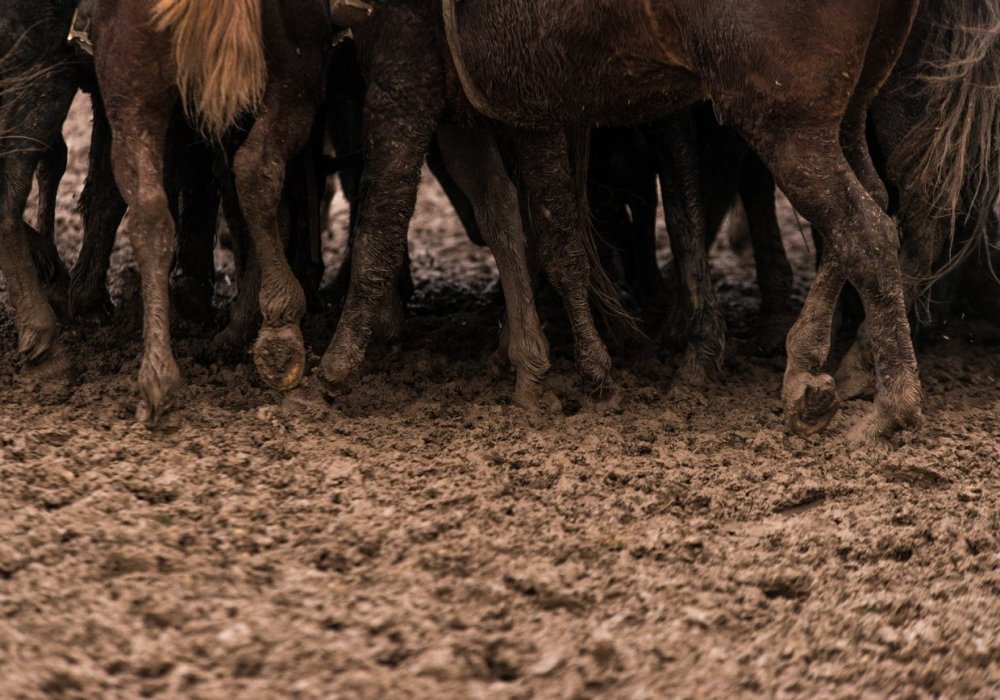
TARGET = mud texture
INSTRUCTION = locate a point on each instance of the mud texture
(423, 538)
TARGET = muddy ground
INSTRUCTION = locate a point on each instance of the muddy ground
(423, 538)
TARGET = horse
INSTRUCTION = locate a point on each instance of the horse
(229, 63)
(795, 80)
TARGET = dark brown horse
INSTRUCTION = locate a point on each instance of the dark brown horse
(38, 78)
(225, 60)
(795, 79)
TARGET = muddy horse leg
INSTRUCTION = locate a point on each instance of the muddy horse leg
(55, 277)
(140, 132)
(674, 141)
(400, 120)
(28, 122)
(543, 165)
(860, 247)
(103, 208)
(475, 163)
(280, 131)
(774, 273)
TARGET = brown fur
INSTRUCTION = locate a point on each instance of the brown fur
(219, 51)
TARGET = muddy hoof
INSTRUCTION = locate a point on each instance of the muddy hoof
(280, 356)
(306, 400)
(533, 397)
(333, 387)
(810, 404)
(51, 377)
(880, 424)
(698, 371)
(159, 390)
(855, 383)
(606, 398)
(856, 375)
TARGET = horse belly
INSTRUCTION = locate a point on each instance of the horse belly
(572, 63)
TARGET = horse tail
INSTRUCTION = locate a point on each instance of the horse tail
(619, 322)
(949, 164)
(218, 48)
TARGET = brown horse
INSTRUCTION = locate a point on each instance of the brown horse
(938, 124)
(795, 79)
(226, 61)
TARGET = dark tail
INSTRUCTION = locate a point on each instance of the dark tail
(949, 164)
(619, 322)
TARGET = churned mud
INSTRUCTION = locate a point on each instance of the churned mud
(423, 538)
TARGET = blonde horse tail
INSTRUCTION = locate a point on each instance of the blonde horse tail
(218, 48)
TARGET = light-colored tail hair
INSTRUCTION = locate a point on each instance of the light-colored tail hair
(951, 158)
(219, 51)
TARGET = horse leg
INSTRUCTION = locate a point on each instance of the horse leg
(474, 162)
(54, 276)
(103, 208)
(244, 311)
(774, 273)
(683, 206)
(260, 165)
(140, 131)
(544, 167)
(193, 278)
(399, 126)
(860, 246)
(27, 123)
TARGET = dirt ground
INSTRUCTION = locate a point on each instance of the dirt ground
(423, 538)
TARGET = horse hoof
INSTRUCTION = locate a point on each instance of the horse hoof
(531, 396)
(810, 404)
(606, 398)
(160, 384)
(698, 371)
(280, 356)
(333, 387)
(51, 377)
(855, 383)
(876, 428)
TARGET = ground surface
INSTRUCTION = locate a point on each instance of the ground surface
(423, 537)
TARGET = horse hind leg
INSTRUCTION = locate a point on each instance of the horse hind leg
(860, 247)
(544, 166)
(684, 211)
(475, 163)
(102, 208)
(54, 276)
(260, 167)
(138, 160)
